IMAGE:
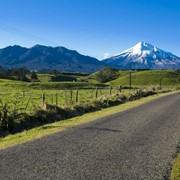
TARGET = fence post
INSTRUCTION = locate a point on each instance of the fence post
(110, 90)
(65, 97)
(120, 89)
(77, 94)
(56, 99)
(43, 99)
(52, 100)
(96, 93)
(27, 103)
(71, 95)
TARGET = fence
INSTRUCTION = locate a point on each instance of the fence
(31, 100)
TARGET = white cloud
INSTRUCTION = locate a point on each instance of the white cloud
(106, 55)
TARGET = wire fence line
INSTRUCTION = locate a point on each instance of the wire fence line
(32, 100)
(64, 96)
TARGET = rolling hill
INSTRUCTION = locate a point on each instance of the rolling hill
(150, 77)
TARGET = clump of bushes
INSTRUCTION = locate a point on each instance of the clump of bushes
(8, 118)
(61, 78)
(107, 74)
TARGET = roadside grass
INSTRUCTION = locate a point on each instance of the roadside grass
(44, 130)
(175, 174)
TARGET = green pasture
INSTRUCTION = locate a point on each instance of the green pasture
(148, 78)
(28, 96)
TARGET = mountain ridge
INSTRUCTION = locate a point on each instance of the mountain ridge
(41, 57)
(144, 56)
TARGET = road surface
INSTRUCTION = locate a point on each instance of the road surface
(138, 143)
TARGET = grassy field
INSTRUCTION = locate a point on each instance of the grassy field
(28, 95)
(44, 77)
(148, 78)
(63, 93)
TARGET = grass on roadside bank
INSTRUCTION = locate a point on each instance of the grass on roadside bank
(44, 130)
(175, 174)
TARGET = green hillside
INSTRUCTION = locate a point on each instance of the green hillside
(149, 77)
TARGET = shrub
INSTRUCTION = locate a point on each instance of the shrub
(107, 74)
(60, 78)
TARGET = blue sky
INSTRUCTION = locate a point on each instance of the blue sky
(92, 27)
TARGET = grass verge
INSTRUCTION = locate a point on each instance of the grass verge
(175, 174)
(41, 131)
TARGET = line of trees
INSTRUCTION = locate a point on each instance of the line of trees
(22, 74)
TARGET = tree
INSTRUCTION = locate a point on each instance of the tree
(34, 76)
(15, 73)
(107, 74)
(19, 73)
(54, 71)
(60, 78)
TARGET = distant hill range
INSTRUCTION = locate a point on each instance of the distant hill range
(141, 56)
(144, 56)
(47, 58)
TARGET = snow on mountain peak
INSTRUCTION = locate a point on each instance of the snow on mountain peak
(144, 46)
(145, 55)
(139, 49)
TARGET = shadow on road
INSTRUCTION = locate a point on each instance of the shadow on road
(101, 129)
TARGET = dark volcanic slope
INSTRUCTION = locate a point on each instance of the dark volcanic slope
(131, 145)
(43, 57)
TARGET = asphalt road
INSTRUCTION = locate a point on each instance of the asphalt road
(135, 144)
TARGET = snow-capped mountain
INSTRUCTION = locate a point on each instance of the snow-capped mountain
(144, 56)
